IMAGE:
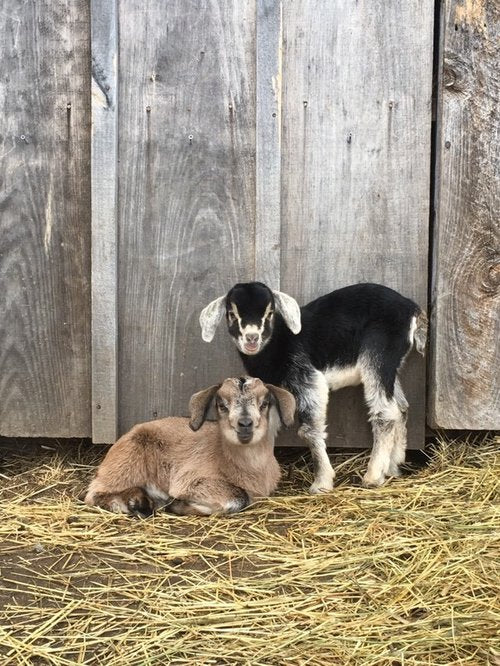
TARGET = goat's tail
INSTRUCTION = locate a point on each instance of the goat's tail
(420, 332)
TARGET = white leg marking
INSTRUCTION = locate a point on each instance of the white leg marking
(205, 509)
(156, 493)
(233, 506)
(314, 402)
(118, 506)
(388, 427)
(380, 459)
(399, 449)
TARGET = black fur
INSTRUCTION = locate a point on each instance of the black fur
(336, 329)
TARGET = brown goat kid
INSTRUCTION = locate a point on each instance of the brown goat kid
(171, 463)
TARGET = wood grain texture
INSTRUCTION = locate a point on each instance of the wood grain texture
(45, 219)
(268, 142)
(104, 37)
(187, 193)
(355, 164)
(465, 361)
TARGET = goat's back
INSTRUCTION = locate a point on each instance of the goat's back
(161, 453)
(339, 326)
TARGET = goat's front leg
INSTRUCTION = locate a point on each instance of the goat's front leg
(312, 401)
(207, 496)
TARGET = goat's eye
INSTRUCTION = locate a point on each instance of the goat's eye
(270, 315)
(230, 317)
(264, 405)
(222, 407)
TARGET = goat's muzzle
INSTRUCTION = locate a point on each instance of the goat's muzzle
(245, 430)
(251, 344)
(251, 348)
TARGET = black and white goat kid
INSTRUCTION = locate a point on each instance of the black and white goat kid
(360, 334)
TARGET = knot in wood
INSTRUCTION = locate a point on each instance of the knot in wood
(456, 73)
(491, 277)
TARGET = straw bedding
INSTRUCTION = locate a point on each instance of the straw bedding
(405, 574)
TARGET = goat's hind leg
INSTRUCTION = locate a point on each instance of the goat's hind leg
(207, 496)
(388, 419)
(312, 405)
(398, 453)
(132, 501)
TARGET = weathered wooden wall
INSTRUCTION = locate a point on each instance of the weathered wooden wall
(355, 167)
(104, 168)
(45, 218)
(288, 142)
(187, 193)
(465, 360)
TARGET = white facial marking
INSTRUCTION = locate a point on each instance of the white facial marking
(235, 312)
(252, 344)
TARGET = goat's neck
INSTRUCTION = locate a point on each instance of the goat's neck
(251, 456)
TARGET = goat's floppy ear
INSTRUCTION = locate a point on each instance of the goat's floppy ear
(200, 404)
(210, 318)
(285, 404)
(290, 310)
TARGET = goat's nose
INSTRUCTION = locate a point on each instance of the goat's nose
(245, 422)
(252, 338)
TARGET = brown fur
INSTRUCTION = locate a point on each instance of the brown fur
(204, 471)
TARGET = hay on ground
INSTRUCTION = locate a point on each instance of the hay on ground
(405, 574)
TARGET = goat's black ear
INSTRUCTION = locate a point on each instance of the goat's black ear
(200, 404)
(285, 404)
(210, 318)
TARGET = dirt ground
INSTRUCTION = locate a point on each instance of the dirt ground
(406, 574)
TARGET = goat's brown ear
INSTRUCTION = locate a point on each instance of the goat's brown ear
(200, 404)
(285, 403)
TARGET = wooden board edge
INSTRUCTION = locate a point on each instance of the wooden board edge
(268, 142)
(104, 149)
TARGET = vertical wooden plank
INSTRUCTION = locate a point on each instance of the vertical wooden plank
(268, 142)
(355, 166)
(104, 223)
(45, 219)
(465, 342)
(187, 193)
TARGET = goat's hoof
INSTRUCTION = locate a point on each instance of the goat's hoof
(394, 471)
(370, 481)
(141, 512)
(319, 487)
(140, 506)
